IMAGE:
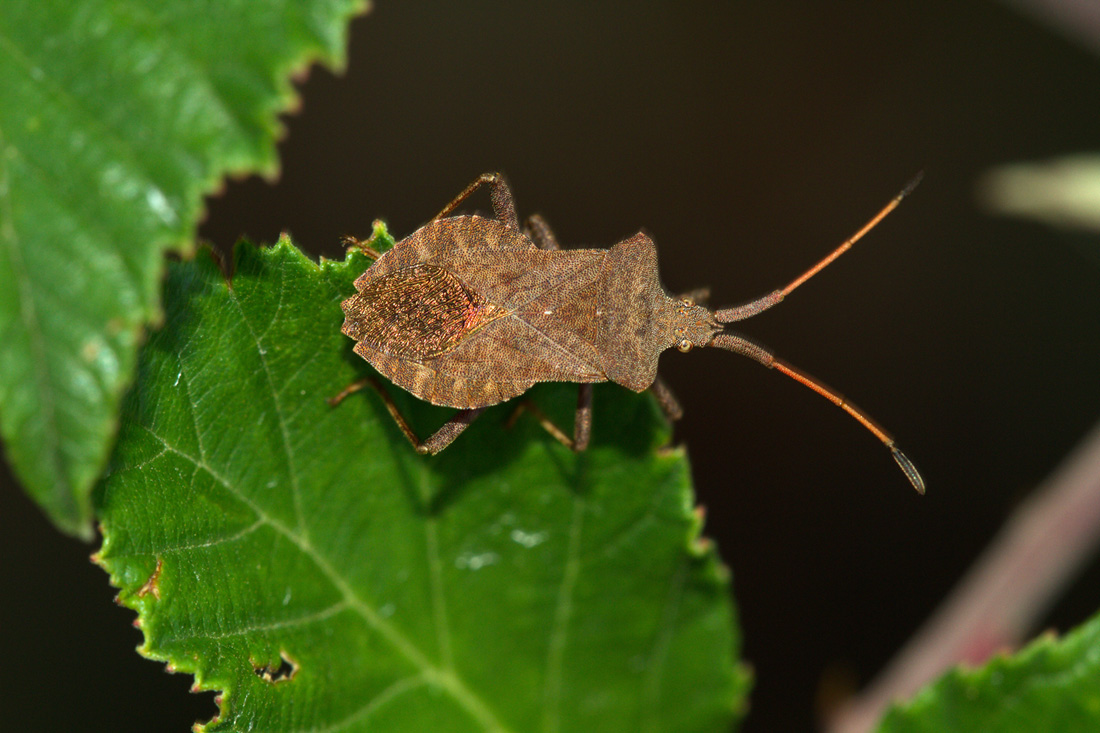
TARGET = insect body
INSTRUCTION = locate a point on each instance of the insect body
(469, 311)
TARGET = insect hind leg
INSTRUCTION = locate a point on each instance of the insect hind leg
(437, 441)
(540, 233)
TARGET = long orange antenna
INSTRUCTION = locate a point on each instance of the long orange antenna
(741, 345)
(741, 312)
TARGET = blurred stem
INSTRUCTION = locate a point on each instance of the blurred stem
(1077, 19)
(1004, 593)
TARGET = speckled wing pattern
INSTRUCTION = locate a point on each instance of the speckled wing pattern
(419, 312)
(467, 312)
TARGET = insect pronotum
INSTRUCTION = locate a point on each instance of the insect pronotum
(469, 311)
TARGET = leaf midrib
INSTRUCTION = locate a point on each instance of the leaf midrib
(29, 317)
(446, 679)
(563, 610)
(284, 434)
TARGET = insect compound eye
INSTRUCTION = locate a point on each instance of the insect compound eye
(684, 345)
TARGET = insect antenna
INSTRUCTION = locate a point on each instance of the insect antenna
(756, 352)
(741, 312)
(742, 345)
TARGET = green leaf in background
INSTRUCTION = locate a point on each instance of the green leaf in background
(308, 563)
(1052, 685)
(115, 118)
(1062, 192)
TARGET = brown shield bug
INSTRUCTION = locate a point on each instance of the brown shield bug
(469, 311)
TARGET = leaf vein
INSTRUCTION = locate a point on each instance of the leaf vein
(29, 317)
(435, 571)
(288, 623)
(90, 116)
(284, 433)
(555, 658)
(308, 362)
(652, 686)
(214, 542)
(372, 706)
(446, 679)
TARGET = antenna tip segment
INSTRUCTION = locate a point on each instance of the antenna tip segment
(913, 183)
(908, 469)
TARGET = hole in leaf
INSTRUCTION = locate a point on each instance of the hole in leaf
(285, 671)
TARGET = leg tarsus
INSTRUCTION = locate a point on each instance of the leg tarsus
(350, 242)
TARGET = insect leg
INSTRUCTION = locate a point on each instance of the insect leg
(436, 442)
(698, 296)
(539, 232)
(741, 345)
(349, 390)
(546, 423)
(503, 206)
(451, 429)
(582, 421)
(666, 399)
(390, 406)
(364, 247)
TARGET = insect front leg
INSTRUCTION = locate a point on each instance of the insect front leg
(365, 247)
(698, 296)
(437, 441)
(504, 207)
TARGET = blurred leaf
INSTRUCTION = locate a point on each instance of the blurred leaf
(307, 562)
(115, 119)
(1052, 685)
(1062, 192)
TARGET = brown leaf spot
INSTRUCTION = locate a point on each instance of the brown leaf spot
(90, 350)
(153, 584)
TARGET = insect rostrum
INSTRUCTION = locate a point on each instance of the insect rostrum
(469, 311)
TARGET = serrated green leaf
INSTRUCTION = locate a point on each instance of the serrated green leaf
(1052, 685)
(115, 118)
(307, 562)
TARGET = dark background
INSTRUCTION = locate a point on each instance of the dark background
(748, 139)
